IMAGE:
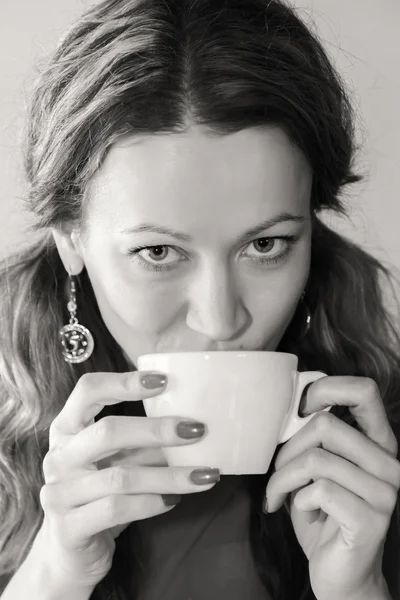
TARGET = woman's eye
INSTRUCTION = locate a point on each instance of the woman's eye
(156, 253)
(265, 247)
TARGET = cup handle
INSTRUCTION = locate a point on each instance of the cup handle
(293, 422)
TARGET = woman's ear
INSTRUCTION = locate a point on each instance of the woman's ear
(67, 241)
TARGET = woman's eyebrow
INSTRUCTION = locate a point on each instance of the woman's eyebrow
(280, 218)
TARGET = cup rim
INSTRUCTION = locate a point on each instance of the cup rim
(220, 352)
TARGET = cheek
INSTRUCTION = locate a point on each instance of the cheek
(134, 304)
(274, 306)
(274, 314)
(145, 309)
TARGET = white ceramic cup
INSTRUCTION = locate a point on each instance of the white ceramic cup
(249, 401)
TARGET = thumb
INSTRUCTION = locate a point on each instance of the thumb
(312, 402)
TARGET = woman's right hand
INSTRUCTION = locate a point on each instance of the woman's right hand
(86, 507)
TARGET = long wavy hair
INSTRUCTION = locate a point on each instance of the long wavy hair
(159, 66)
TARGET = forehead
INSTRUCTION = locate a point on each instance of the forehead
(199, 171)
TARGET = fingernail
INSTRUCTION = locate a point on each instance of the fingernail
(153, 380)
(170, 499)
(265, 506)
(201, 476)
(190, 429)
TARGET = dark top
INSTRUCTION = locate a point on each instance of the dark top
(200, 548)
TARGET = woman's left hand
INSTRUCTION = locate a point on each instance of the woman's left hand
(346, 479)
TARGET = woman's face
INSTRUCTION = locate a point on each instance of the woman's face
(220, 286)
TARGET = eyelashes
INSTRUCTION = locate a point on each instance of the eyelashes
(289, 240)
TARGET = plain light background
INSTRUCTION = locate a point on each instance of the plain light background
(362, 39)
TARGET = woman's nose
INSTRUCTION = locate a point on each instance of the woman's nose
(216, 309)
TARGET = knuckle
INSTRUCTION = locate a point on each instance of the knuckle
(389, 497)
(50, 465)
(324, 488)
(104, 429)
(177, 477)
(47, 464)
(370, 387)
(160, 429)
(50, 499)
(128, 381)
(314, 458)
(119, 479)
(55, 431)
(323, 423)
(46, 497)
(86, 382)
(92, 383)
(53, 428)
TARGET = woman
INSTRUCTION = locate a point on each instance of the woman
(226, 123)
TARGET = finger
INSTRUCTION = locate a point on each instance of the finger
(92, 392)
(110, 511)
(318, 464)
(120, 480)
(134, 456)
(356, 518)
(361, 395)
(114, 433)
(312, 515)
(337, 437)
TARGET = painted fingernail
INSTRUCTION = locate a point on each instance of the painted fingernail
(170, 499)
(190, 429)
(206, 475)
(153, 380)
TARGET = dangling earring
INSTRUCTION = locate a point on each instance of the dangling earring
(77, 341)
(308, 317)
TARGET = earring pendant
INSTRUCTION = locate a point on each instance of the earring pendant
(76, 340)
(308, 315)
